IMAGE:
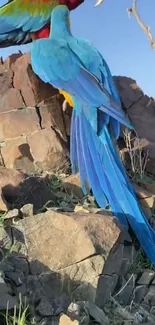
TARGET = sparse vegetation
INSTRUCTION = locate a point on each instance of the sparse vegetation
(20, 315)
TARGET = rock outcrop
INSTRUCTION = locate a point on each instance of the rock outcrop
(33, 127)
(140, 109)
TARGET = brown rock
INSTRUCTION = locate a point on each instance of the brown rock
(142, 116)
(18, 123)
(66, 245)
(32, 88)
(145, 197)
(150, 187)
(128, 89)
(11, 59)
(3, 203)
(5, 81)
(73, 186)
(50, 154)
(9, 180)
(146, 200)
(65, 320)
(21, 79)
(67, 114)
(140, 109)
(42, 91)
(16, 154)
(51, 115)
(11, 100)
(78, 237)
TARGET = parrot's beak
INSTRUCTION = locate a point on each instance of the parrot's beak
(98, 3)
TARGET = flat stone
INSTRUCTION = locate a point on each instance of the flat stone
(6, 266)
(52, 152)
(125, 296)
(114, 260)
(129, 255)
(52, 115)
(73, 186)
(4, 288)
(139, 293)
(19, 264)
(45, 308)
(11, 100)
(21, 290)
(146, 277)
(50, 226)
(16, 277)
(153, 282)
(5, 82)
(27, 210)
(129, 91)
(9, 181)
(150, 296)
(65, 320)
(103, 295)
(12, 214)
(16, 152)
(23, 122)
(5, 238)
(7, 301)
(11, 60)
(83, 310)
(3, 202)
(146, 198)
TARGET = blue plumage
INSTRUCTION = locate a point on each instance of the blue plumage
(75, 66)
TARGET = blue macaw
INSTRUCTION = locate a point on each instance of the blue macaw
(75, 66)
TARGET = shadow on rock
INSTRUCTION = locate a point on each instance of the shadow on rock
(48, 293)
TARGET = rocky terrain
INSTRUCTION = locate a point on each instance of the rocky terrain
(62, 259)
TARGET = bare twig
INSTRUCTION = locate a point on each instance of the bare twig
(145, 28)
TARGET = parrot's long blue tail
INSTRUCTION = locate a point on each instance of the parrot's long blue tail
(96, 157)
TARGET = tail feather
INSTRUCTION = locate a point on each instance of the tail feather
(93, 179)
(73, 143)
(81, 160)
(99, 166)
(115, 128)
(108, 180)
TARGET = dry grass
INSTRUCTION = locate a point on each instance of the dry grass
(138, 159)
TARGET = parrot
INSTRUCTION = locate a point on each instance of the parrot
(75, 66)
(22, 21)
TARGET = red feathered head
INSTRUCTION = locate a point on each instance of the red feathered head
(71, 4)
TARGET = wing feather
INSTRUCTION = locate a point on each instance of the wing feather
(63, 65)
(18, 18)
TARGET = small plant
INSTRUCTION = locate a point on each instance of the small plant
(66, 200)
(141, 263)
(2, 218)
(20, 314)
(138, 158)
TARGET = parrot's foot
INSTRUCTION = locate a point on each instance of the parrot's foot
(65, 105)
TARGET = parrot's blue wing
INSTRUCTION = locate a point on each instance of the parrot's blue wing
(68, 71)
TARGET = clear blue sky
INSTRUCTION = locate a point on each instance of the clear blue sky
(120, 39)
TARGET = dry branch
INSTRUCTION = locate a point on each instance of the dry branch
(145, 28)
